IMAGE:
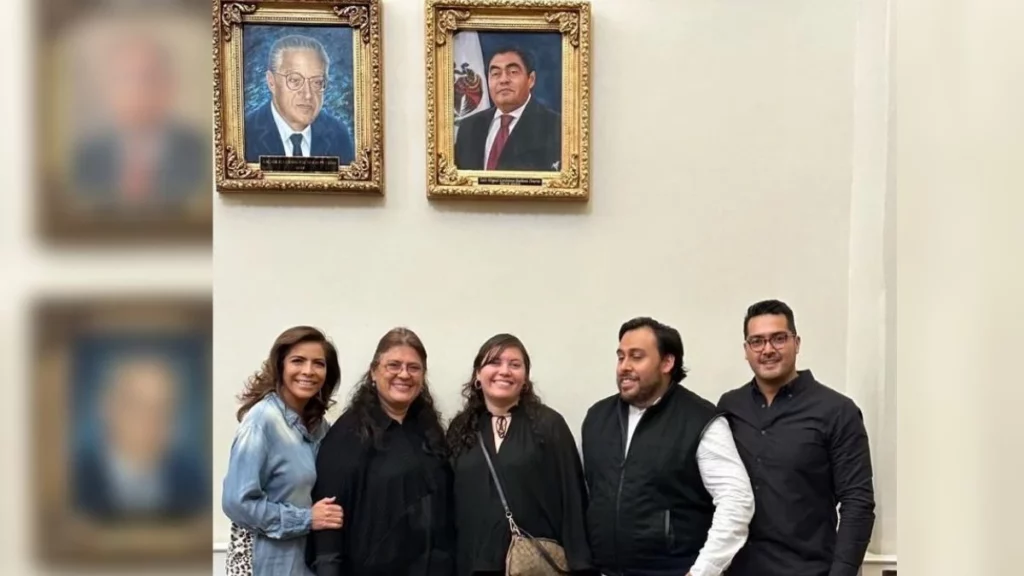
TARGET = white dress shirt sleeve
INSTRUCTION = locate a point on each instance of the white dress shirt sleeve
(726, 479)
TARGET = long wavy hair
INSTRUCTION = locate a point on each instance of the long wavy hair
(463, 428)
(268, 378)
(365, 400)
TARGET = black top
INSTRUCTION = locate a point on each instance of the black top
(806, 452)
(540, 471)
(649, 511)
(397, 502)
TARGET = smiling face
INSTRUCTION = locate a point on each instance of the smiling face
(303, 372)
(502, 375)
(399, 375)
(771, 349)
(642, 373)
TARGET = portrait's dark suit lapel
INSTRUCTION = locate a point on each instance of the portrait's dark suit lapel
(525, 137)
(534, 144)
(267, 135)
(475, 129)
(329, 137)
(322, 136)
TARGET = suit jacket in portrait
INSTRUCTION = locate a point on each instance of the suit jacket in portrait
(184, 489)
(182, 169)
(329, 138)
(534, 144)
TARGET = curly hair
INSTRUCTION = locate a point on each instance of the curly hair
(463, 428)
(267, 379)
(365, 401)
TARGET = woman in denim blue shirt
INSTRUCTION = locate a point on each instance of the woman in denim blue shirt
(272, 467)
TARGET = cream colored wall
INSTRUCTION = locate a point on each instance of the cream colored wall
(959, 176)
(723, 172)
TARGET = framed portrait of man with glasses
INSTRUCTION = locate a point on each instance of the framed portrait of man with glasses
(297, 96)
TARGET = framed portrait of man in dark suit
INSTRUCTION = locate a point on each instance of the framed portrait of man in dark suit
(123, 140)
(508, 99)
(122, 468)
(297, 97)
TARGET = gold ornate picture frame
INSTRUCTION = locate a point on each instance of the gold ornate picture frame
(122, 136)
(127, 381)
(508, 99)
(298, 96)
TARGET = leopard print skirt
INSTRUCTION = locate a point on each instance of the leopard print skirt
(239, 556)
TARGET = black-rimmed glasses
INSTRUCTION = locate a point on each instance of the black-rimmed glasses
(777, 340)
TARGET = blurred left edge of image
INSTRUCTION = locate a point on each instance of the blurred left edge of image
(122, 447)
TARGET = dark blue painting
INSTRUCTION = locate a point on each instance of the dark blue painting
(508, 100)
(140, 410)
(544, 49)
(281, 103)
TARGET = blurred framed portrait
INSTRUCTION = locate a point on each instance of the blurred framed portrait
(508, 99)
(122, 471)
(122, 104)
(297, 96)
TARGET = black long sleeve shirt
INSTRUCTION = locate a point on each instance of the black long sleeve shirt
(397, 503)
(542, 476)
(805, 452)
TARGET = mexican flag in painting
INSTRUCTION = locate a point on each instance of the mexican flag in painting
(470, 77)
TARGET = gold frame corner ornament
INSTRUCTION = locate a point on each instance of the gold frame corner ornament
(570, 18)
(365, 174)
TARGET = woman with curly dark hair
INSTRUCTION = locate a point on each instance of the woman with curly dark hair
(385, 462)
(534, 455)
(272, 466)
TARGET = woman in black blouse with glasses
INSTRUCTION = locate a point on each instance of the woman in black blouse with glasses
(385, 462)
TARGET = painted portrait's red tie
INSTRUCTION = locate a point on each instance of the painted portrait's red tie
(499, 141)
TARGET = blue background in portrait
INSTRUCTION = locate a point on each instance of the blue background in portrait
(94, 355)
(337, 40)
(545, 48)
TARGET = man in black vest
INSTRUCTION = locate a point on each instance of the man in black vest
(806, 450)
(668, 492)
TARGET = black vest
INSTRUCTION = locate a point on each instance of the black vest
(649, 513)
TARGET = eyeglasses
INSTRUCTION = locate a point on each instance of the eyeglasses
(778, 340)
(395, 367)
(296, 81)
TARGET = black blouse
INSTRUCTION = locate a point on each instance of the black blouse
(540, 471)
(396, 500)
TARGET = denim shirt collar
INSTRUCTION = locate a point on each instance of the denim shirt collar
(295, 420)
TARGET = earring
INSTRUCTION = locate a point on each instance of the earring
(477, 385)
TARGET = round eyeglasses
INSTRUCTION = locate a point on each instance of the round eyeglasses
(395, 367)
(295, 81)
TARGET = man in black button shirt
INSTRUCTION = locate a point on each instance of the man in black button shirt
(806, 450)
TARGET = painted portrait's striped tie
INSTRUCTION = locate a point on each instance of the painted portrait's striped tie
(499, 141)
(296, 144)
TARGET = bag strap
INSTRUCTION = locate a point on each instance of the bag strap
(497, 483)
(513, 527)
